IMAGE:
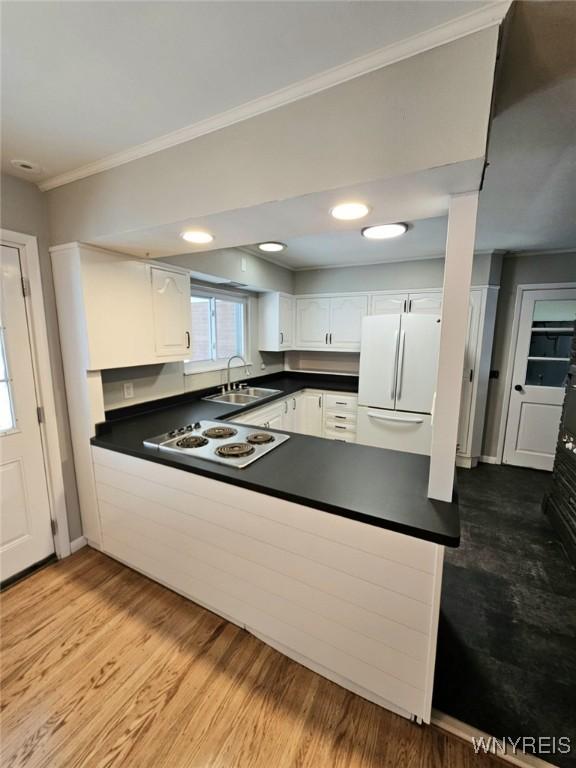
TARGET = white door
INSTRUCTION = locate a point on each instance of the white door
(25, 530)
(389, 304)
(417, 362)
(539, 376)
(172, 311)
(379, 361)
(312, 322)
(286, 313)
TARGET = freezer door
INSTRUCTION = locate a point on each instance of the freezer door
(379, 360)
(407, 432)
(417, 362)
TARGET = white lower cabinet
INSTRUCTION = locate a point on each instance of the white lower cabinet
(310, 409)
(309, 412)
(340, 416)
(395, 430)
(356, 603)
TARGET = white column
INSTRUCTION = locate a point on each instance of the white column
(453, 331)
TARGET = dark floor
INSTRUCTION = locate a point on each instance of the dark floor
(507, 643)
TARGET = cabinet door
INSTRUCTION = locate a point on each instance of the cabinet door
(312, 323)
(389, 304)
(346, 314)
(417, 362)
(172, 313)
(286, 312)
(291, 413)
(276, 415)
(309, 414)
(428, 303)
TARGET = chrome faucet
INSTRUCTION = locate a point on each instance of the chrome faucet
(228, 387)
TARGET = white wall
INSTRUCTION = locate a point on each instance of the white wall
(424, 112)
(401, 276)
(24, 210)
(516, 270)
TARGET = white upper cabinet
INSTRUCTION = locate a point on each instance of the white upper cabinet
(332, 323)
(276, 322)
(425, 303)
(429, 302)
(388, 304)
(346, 314)
(286, 314)
(131, 312)
(172, 313)
(312, 322)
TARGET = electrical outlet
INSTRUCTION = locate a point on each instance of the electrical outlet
(243, 263)
(128, 388)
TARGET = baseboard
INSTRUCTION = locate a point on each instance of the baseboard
(78, 544)
(466, 732)
(490, 460)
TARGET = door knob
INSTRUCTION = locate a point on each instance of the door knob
(519, 388)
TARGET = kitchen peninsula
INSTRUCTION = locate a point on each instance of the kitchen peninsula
(327, 550)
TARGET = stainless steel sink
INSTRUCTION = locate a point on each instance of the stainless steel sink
(246, 396)
(261, 392)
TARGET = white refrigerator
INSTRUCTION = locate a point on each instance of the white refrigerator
(398, 366)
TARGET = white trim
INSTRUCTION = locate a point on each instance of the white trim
(489, 460)
(78, 543)
(30, 265)
(465, 732)
(467, 24)
(520, 289)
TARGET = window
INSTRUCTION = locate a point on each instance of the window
(7, 421)
(218, 329)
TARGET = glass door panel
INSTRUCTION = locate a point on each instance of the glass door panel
(550, 342)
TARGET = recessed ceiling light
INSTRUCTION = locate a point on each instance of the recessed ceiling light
(271, 247)
(384, 231)
(350, 211)
(26, 165)
(197, 236)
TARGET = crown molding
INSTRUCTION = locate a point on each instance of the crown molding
(474, 21)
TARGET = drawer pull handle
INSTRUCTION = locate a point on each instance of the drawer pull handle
(340, 417)
(340, 402)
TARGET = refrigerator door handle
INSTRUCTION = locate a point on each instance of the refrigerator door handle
(403, 419)
(401, 365)
(394, 367)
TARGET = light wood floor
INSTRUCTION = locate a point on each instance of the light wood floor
(102, 667)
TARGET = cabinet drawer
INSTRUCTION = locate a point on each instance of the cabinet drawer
(341, 417)
(337, 427)
(336, 402)
(340, 432)
(395, 430)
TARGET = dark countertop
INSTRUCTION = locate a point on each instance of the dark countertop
(371, 485)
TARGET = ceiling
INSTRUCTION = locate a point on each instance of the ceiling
(339, 249)
(85, 80)
(305, 222)
(139, 71)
